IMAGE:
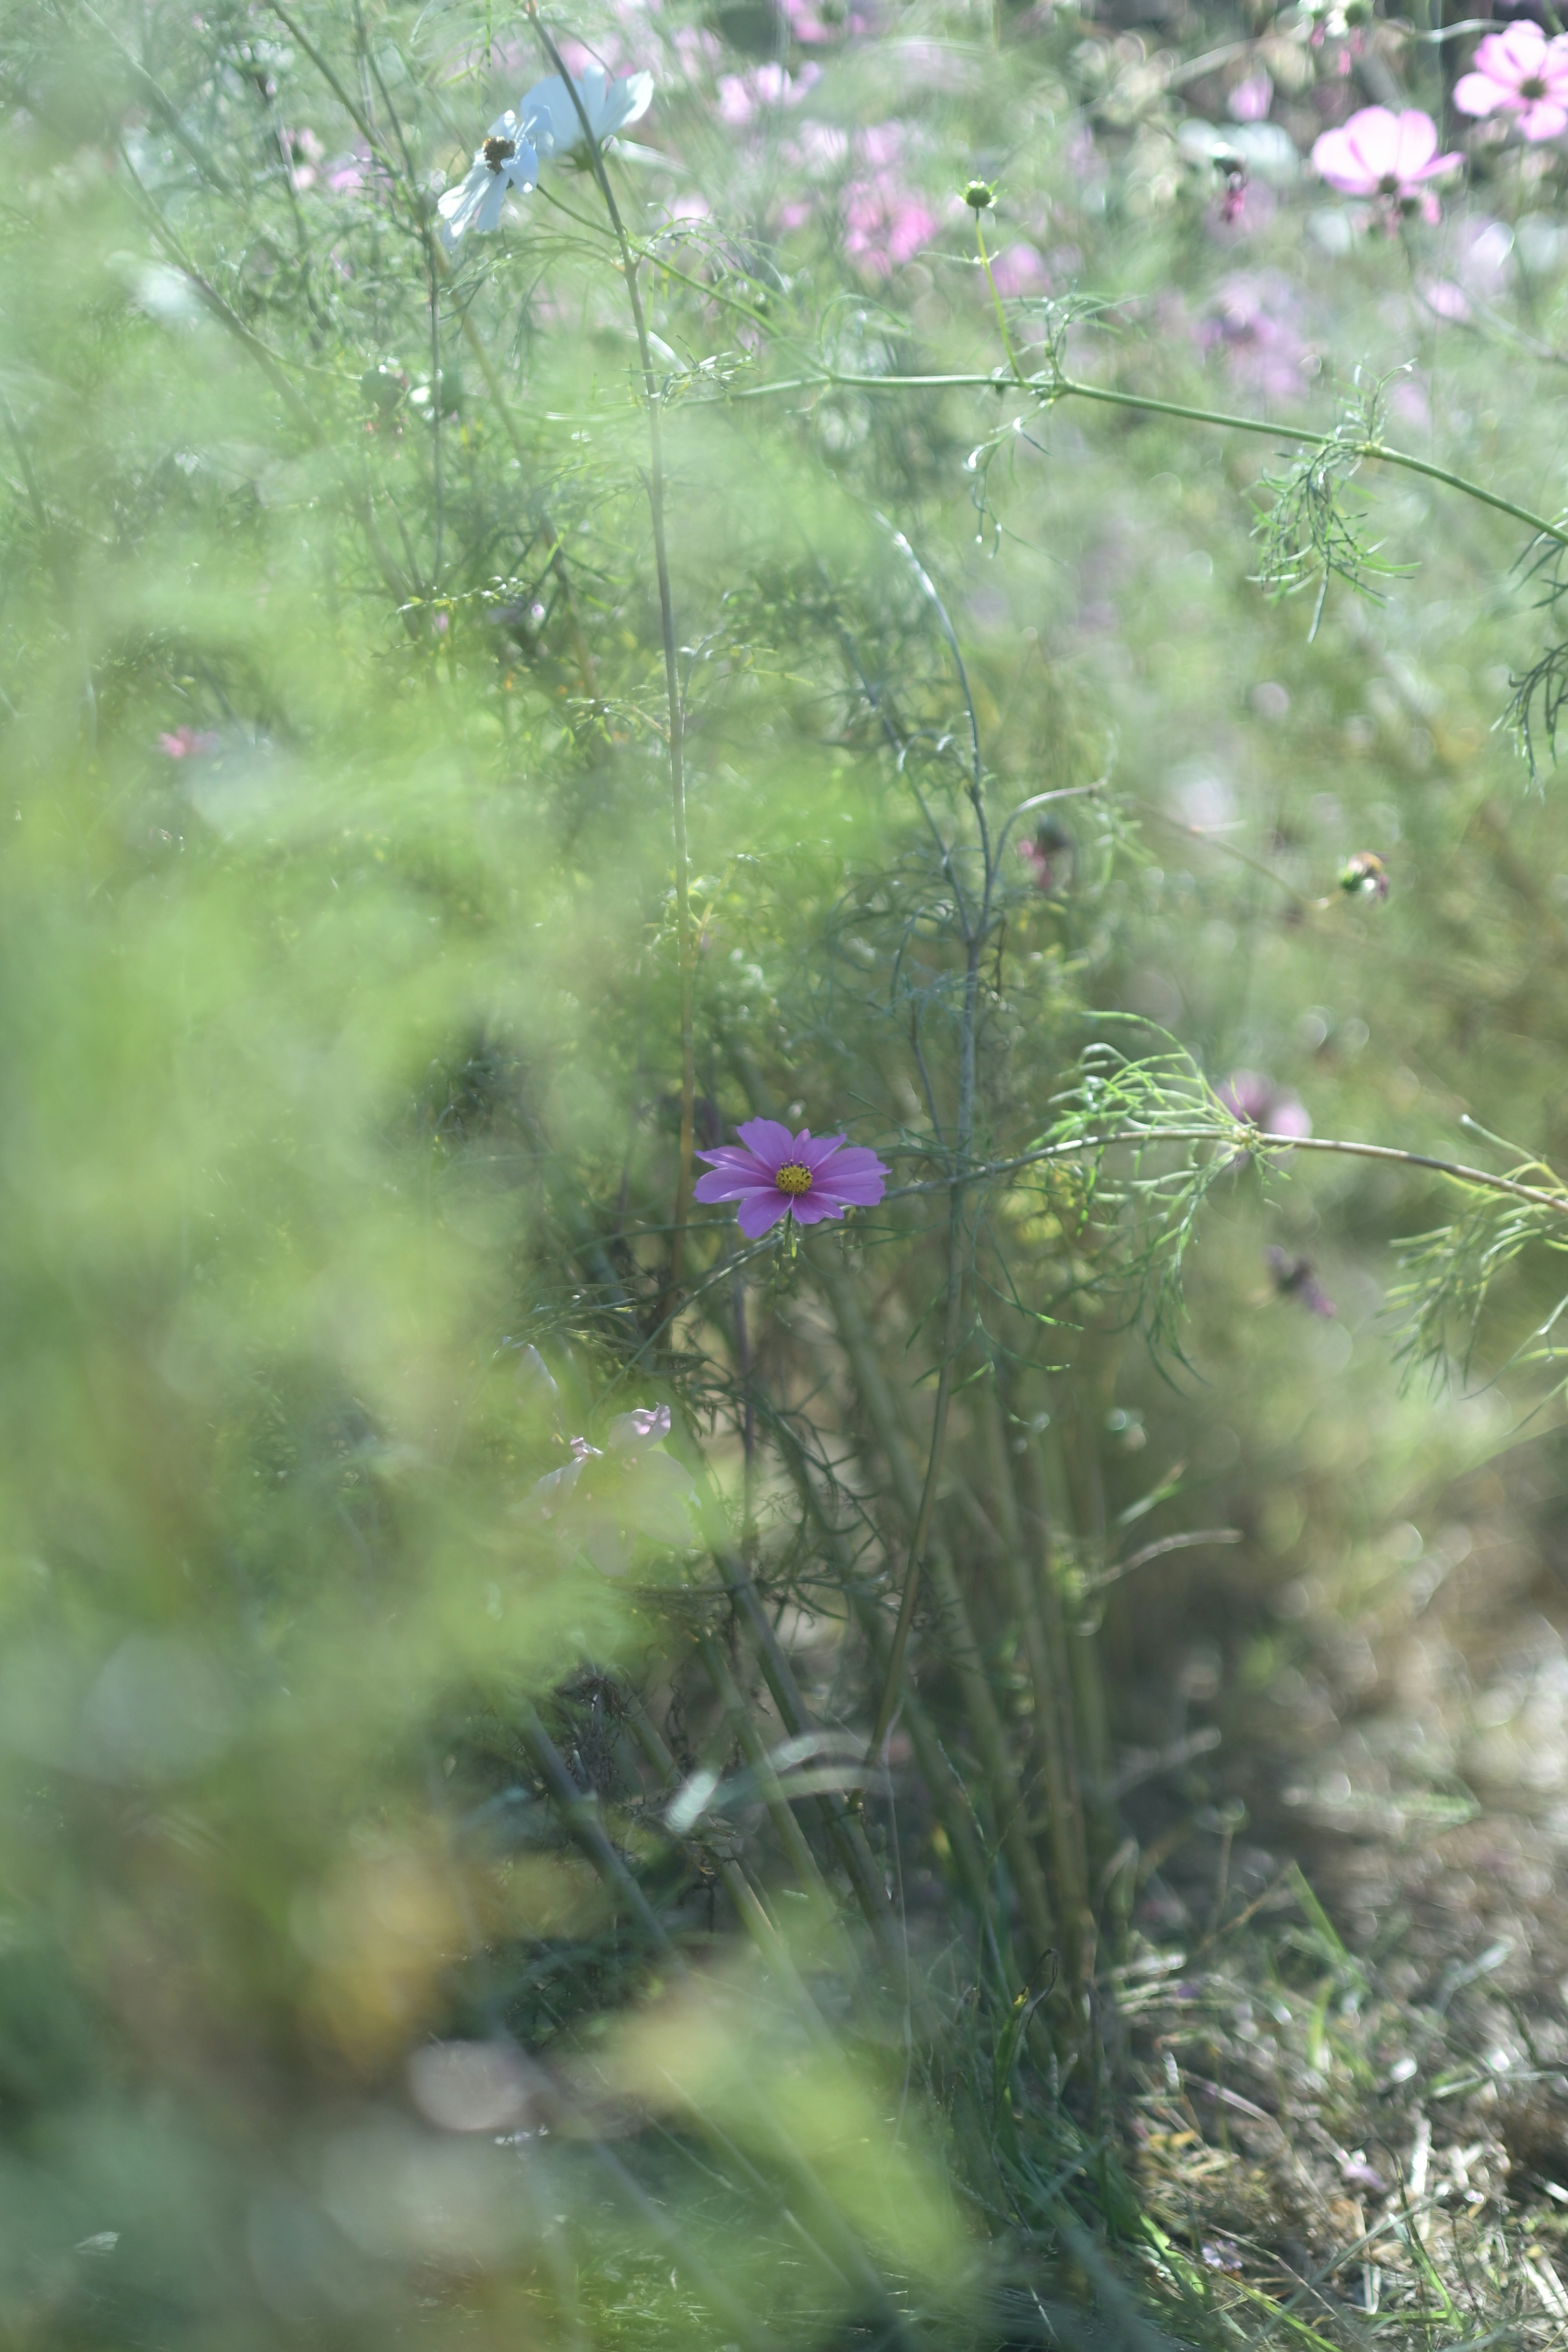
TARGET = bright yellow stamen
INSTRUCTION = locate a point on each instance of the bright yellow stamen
(793, 1178)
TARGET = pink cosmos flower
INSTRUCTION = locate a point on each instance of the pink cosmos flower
(1250, 101)
(1017, 269)
(885, 223)
(774, 1174)
(1390, 156)
(1520, 72)
(1254, 320)
(187, 744)
(741, 97)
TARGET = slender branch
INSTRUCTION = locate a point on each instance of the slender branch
(655, 484)
(1245, 1138)
(974, 937)
(1052, 388)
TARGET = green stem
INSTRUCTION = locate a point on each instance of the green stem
(1245, 1138)
(655, 484)
(1051, 389)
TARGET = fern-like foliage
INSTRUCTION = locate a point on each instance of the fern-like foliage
(1309, 531)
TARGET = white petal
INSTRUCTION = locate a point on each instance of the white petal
(630, 100)
(492, 203)
(462, 198)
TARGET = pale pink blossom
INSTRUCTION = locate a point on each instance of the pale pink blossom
(1017, 269)
(1250, 101)
(885, 223)
(1387, 156)
(812, 22)
(1254, 320)
(187, 744)
(743, 97)
(1520, 72)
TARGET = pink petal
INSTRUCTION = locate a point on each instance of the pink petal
(813, 1151)
(771, 1141)
(1373, 138)
(1477, 93)
(1480, 95)
(812, 1207)
(856, 1161)
(1543, 118)
(1516, 52)
(760, 1212)
(729, 1184)
(1415, 143)
(1335, 160)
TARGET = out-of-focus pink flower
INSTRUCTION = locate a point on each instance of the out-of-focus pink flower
(303, 151)
(743, 97)
(885, 223)
(1388, 156)
(881, 143)
(1444, 298)
(1253, 1097)
(819, 148)
(1250, 101)
(1254, 319)
(1520, 72)
(345, 174)
(187, 744)
(775, 1174)
(606, 1501)
(1017, 269)
(811, 22)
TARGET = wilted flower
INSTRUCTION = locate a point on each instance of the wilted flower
(774, 1174)
(1386, 155)
(1293, 1279)
(505, 161)
(551, 119)
(187, 744)
(1364, 877)
(607, 1501)
(1520, 72)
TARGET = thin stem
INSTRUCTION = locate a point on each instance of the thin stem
(1245, 1138)
(654, 486)
(1050, 389)
(975, 936)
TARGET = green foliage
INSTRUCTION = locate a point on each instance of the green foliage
(446, 1895)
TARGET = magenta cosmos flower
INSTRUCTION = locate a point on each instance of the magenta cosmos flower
(774, 1174)
(1520, 72)
(1390, 156)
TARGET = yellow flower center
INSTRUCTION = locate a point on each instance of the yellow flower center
(793, 1178)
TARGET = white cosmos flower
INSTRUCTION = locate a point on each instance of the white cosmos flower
(552, 121)
(506, 161)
